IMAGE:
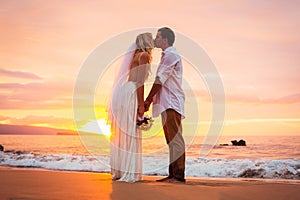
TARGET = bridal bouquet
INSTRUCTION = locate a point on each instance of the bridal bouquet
(144, 124)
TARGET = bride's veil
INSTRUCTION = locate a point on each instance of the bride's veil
(120, 79)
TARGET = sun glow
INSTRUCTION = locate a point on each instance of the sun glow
(97, 126)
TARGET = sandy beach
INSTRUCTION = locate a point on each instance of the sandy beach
(38, 184)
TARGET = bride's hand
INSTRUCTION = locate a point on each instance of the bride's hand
(141, 110)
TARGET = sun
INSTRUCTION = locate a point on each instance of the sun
(99, 126)
(105, 128)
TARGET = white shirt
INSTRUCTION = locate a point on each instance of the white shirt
(169, 73)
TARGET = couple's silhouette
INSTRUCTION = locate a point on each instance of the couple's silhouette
(127, 107)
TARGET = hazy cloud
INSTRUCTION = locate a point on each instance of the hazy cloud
(47, 121)
(19, 74)
(242, 98)
(3, 118)
(36, 95)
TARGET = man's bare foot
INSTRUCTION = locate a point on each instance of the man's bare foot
(175, 180)
(164, 179)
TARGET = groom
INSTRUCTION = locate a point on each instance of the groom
(168, 100)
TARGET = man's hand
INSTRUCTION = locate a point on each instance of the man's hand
(147, 104)
(155, 88)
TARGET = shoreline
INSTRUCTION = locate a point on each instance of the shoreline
(43, 184)
(154, 177)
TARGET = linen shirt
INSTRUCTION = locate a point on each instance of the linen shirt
(169, 74)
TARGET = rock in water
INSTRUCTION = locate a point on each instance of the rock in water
(238, 143)
(1, 148)
(234, 142)
(242, 143)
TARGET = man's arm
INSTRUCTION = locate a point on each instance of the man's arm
(164, 71)
(155, 88)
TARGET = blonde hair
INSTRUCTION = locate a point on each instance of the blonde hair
(144, 42)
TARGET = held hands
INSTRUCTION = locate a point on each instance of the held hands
(141, 111)
(147, 104)
(143, 122)
(144, 108)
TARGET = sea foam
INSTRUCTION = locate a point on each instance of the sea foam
(195, 167)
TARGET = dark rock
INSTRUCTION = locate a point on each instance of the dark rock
(1, 148)
(234, 142)
(253, 173)
(238, 143)
(286, 174)
(223, 144)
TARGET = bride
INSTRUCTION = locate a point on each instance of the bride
(126, 107)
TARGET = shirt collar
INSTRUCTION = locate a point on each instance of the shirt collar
(169, 49)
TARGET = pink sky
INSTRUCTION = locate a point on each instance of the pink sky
(254, 44)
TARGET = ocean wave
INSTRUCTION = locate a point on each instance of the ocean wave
(195, 167)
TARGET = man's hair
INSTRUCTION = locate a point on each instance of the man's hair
(167, 33)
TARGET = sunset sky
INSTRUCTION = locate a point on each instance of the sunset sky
(254, 44)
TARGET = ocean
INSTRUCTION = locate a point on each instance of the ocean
(264, 156)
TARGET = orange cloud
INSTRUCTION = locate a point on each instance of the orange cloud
(253, 43)
(19, 74)
(4, 118)
(242, 98)
(36, 95)
(47, 121)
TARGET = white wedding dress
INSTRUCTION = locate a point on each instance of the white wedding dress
(126, 144)
(126, 139)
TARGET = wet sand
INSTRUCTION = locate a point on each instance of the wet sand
(37, 184)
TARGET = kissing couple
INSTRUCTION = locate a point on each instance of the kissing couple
(127, 106)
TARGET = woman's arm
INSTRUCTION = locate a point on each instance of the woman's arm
(140, 94)
(142, 70)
